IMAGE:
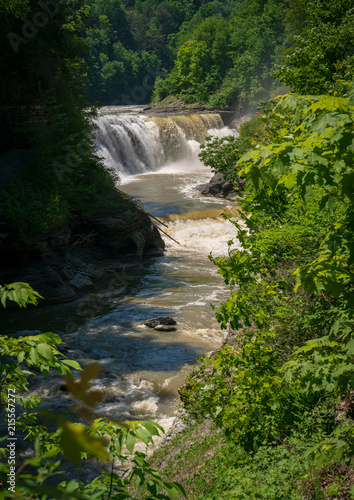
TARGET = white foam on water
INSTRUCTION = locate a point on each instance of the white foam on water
(203, 236)
(222, 132)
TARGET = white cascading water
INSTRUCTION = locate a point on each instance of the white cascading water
(136, 144)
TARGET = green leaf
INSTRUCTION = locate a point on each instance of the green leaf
(34, 356)
(21, 356)
(3, 297)
(152, 427)
(72, 363)
(152, 487)
(130, 440)
(171, 490)
(119, 444)
(143, 434)
(71, 486)
(45, 351)
(349, 347)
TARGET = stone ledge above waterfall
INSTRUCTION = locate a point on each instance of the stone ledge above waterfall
(69, 260)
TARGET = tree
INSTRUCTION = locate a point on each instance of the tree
(233, 45)
(321, 58)
(44, 110)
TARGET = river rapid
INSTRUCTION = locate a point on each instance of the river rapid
(142, 369)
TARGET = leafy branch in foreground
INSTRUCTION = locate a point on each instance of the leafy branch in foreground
(314, 151)
(102, 439)
(19, 292)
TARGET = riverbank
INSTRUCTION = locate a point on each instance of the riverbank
(69, 260)
(208, 464)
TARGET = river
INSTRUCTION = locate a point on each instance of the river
(156, 159)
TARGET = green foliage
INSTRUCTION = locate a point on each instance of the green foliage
(34, 351)
(140, 475)
(215, 468)
(323, 365)
(246, 395)
(221, 155)
(313, 151)
(62, 176)
(238, 59)
(21, 293)
(74, 182)
(201, 61)
(292, 368)
(128, 47)
(320, 59)
(18, 8)
(115, 61)
(272, 473)
(226, 52)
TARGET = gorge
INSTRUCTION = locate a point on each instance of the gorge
(156, 160)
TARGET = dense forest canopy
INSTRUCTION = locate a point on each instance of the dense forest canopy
(217, 51)
(128, 47)
(45, 121)
(321, 56)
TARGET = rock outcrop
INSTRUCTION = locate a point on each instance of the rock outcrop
(222, 188)
(162, 324)
(67, 261)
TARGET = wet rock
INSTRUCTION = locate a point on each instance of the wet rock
(138, 239)
(160, 321)
(165, 328)
(72, 258)
(153, 252)
(80, 282)
(178, 425)
(222, 188)
(155, 245)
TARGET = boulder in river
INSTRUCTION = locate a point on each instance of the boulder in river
(161, 321)
(222, 188)
(165, 328)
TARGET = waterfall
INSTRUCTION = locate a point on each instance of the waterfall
(131, 144)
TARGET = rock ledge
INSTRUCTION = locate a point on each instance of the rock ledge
(70, 259)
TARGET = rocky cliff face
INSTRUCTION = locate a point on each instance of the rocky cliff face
(67, 261)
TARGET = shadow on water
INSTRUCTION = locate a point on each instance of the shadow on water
(108, 325)
(104, 298)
